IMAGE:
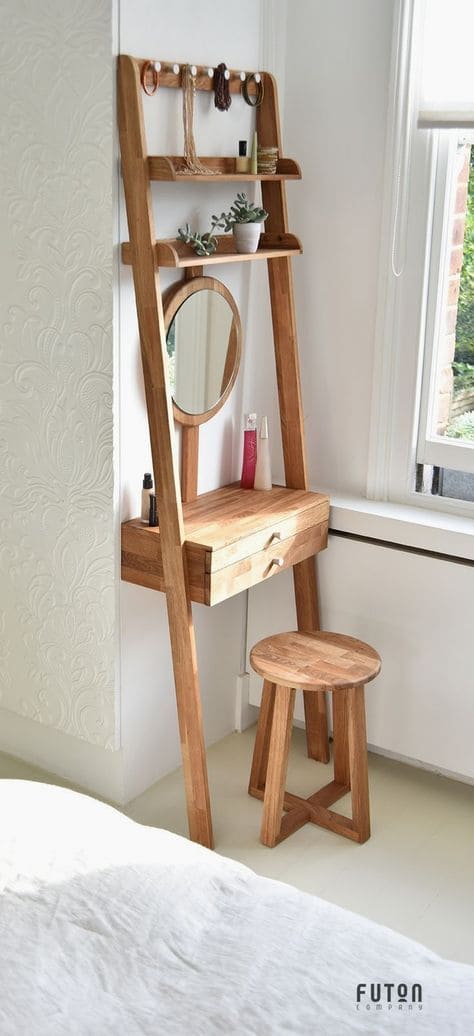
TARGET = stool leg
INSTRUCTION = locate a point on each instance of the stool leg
(277, 765)
(316, 723)
(340, 738)
(357, 741)
(258, 772)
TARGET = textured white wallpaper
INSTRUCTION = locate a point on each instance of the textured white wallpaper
(57, 596)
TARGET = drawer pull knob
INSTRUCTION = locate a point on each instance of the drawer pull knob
(275, 536)
(279, 562)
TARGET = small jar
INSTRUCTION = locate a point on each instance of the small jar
(242, 162)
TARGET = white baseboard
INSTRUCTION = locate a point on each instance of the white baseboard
(86, 766)
(420, 765)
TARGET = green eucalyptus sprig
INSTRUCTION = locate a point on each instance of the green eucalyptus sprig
(203, 244)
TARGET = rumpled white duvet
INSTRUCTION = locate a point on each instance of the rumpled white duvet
(108, 927)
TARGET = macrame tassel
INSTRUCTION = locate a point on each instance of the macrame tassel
(192, 163)
(222, 98)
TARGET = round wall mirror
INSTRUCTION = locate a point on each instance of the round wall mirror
(203, 342)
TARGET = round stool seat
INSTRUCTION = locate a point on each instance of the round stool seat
(315, 661)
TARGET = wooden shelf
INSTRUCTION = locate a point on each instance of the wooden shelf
(235, 538)
(223, 542)
(170, 167)
(175, 253)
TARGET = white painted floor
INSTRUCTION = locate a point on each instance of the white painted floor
(415, 874)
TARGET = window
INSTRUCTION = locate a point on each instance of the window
(423, 415)
(446, 419)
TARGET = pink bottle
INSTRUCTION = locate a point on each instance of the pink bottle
(250, 452)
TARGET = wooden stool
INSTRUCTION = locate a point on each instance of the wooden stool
(314, 662)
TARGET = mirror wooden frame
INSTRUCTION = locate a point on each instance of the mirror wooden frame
(172, 302)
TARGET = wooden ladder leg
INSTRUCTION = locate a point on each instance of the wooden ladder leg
(340, 738)
(188, 702)
(258, 772)
(285, 340)
(357, 743)
(163, 449)
(277, 765)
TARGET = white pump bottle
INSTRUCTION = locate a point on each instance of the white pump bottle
(263, 471)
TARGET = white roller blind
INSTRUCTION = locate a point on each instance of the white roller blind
(447, 81)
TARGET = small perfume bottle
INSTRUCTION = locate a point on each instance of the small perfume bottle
(242, 162)
(250, 452)
(263, 471)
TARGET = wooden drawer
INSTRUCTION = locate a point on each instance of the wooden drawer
(234, 539)
(265, 563)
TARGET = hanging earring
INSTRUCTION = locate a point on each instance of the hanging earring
(149, 77)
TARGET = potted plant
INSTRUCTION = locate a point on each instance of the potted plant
(245, 220)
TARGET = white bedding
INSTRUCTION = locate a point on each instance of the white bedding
(108, 927)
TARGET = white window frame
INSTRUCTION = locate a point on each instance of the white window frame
(409, 233)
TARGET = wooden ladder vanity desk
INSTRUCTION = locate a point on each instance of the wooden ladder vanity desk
(209, 547)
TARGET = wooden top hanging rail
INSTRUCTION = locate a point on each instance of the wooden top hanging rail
(170, 167)
(170, 73)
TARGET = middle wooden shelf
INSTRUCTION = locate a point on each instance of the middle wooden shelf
(234, 538)
(175, 253)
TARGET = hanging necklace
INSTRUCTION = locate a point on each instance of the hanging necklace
(192, 163)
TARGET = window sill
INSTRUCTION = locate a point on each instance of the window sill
(411, 527)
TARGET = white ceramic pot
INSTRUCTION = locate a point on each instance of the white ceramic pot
(247, 236)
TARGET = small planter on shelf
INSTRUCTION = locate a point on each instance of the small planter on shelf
(244, 219)
(246, 236)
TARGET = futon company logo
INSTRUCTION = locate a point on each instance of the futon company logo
(389, 996)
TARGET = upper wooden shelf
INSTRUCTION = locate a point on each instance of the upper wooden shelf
(170, 167)
(235, 538)
(175, 253)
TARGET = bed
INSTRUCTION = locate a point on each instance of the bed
(109, 927)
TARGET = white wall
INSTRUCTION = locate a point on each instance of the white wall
(416, 610)
(57, 564)
(338, 63)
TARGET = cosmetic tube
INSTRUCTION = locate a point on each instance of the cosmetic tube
(250, 452)
(146, 490)
(153, 515)
(253, 157)
(263, 471)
